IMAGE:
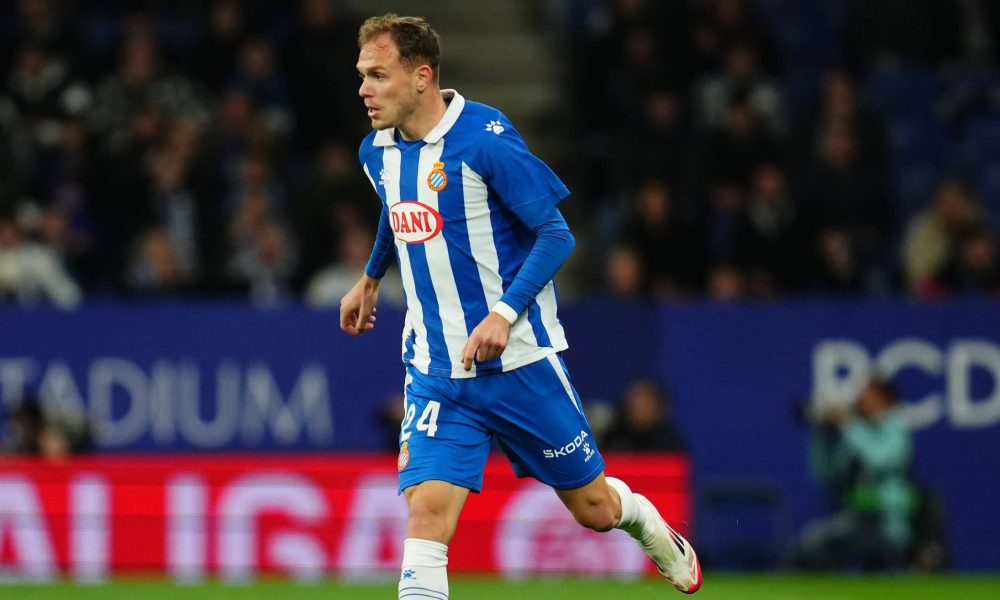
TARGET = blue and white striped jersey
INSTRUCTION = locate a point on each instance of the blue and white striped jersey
(458, 203)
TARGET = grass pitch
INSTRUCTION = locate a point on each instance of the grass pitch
(716, 587)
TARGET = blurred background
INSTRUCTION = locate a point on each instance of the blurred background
(782, 308)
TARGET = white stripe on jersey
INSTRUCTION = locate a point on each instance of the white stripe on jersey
(442, 277)
(364, 167)
(391, 160)
(564, 380)
(546, 300)
(480, 227)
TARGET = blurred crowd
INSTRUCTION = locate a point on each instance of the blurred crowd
(729, 148)
(766, 148)
(179, 149)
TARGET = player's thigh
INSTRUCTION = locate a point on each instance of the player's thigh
(538, 419)
(439, 439)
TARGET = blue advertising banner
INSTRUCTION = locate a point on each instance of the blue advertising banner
(205, 377)
(739, 373)
(214, 377)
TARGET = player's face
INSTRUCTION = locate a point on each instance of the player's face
(388, 87)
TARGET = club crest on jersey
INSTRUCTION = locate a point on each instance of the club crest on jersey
(437, 179)
(414, 222)
(404, 456)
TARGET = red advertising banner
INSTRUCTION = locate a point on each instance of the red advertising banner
(302, 515)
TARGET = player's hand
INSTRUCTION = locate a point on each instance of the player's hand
(487, 341)
(357, 308)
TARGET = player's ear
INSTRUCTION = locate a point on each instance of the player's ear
(425, 77)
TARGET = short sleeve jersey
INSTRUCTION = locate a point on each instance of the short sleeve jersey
(462, 204)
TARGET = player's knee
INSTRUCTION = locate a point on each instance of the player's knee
(430, 520)
(601, 519)
(596, 515)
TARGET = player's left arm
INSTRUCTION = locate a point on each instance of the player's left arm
(531, 191)
(553, 245)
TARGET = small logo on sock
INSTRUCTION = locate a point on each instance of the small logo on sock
(409, 574)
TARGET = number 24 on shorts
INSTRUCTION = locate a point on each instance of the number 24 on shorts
(427, 422)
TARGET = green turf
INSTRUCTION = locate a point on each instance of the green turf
(718, 587)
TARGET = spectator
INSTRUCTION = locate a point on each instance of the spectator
(140, 82)
(655, 143)
(644, 421)
(728, 154)
(68, 223)
(838, 269)
(729, 21)
(862, 457)
(329, 202)
(220, 44)
(257, 74)
(841, 105)
(973, 269)
(332, 283)
(37, 428)
(31, 272)
(726, 283)
(847, 194)
(263, 264)
(156, 267)
(624, 273)
(742, 77)
(776, 235)
(931, 237)
(664, 241)
(722, 220)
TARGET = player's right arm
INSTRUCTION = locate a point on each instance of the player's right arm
(357, 308)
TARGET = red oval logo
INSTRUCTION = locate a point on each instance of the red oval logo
(414, 222)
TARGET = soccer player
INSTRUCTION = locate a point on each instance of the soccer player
(472, 217)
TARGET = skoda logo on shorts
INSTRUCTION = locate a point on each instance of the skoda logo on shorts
(571, 447)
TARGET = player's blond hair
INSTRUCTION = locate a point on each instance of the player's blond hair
(414, 37)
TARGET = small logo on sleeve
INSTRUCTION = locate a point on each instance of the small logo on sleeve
(495, 126)
(437, 179)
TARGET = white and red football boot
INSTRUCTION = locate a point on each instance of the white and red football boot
(672, 554)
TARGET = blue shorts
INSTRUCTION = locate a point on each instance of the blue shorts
(533, 412)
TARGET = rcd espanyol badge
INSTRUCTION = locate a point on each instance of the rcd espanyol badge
(404, 456)
(437, 179)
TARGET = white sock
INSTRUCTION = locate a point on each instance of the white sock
(632, 517)
(424, 573)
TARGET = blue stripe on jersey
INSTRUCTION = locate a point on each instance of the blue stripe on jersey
(537, 327)
(451, 200)
(505, 241)
(408, 352)
(409, 164)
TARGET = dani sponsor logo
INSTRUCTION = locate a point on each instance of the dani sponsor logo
(414, 222)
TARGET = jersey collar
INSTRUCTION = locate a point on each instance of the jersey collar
(387, 137)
